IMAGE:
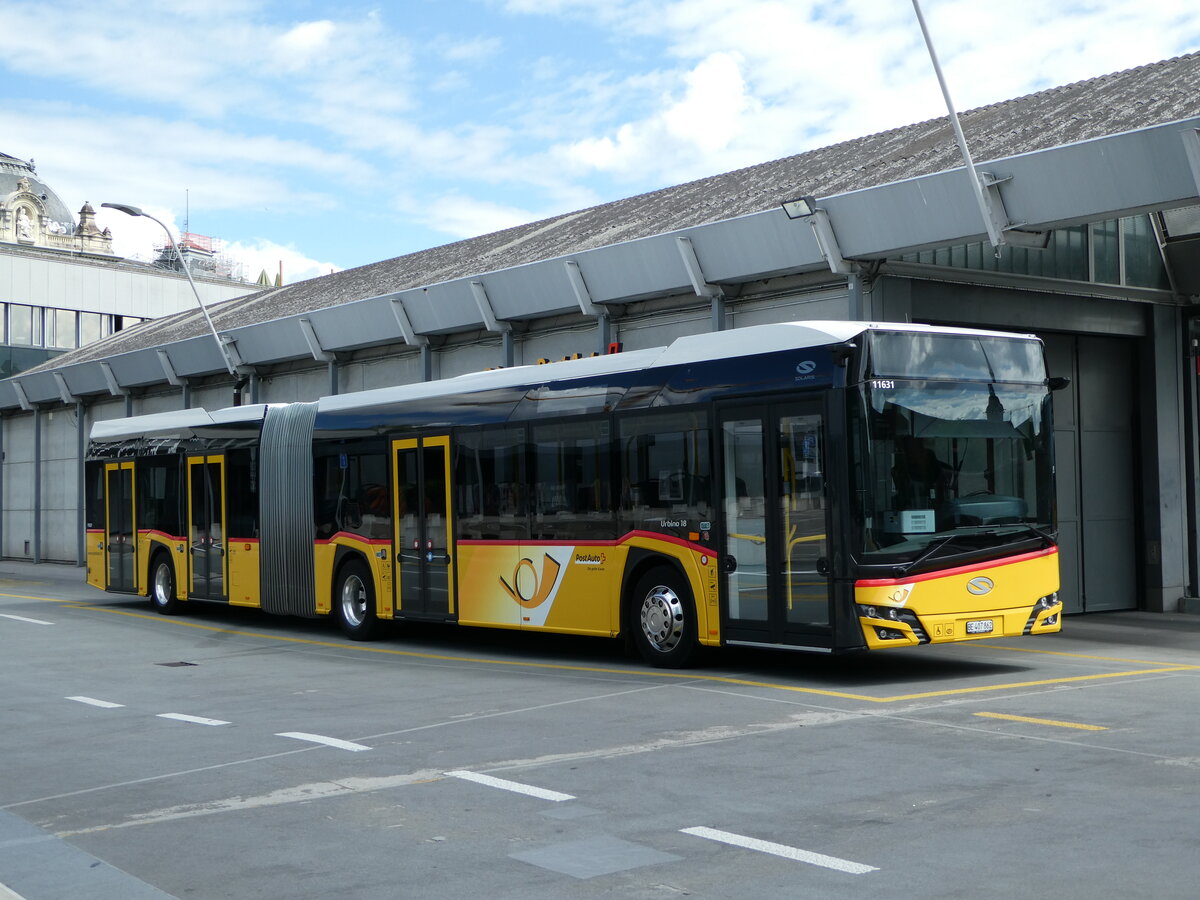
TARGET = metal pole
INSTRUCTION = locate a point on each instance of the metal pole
(994, 235)
(136, 211)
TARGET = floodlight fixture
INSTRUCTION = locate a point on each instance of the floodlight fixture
(800, 207)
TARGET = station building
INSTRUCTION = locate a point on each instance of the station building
(62, 286)
(1092, 192)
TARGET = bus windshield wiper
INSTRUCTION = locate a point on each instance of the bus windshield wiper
(1042, 533)
(929, 551)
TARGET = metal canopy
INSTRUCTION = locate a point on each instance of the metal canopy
(1104, 178)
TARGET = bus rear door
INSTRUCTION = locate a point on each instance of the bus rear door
(120, 530)
(424, 528)
(776, 584)
(207, 561)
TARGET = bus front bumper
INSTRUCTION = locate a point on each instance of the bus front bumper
(885, 627)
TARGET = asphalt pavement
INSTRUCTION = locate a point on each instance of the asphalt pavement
(227, 753)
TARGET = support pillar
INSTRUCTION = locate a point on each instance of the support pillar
(81, 482)
(37, 484)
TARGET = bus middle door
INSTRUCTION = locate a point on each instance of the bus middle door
(207, 561)
(424, 528)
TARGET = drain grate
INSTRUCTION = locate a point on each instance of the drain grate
(176, 665)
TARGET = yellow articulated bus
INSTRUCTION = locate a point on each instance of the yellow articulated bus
(820, 486)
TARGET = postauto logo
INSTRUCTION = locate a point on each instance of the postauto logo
(980, 586)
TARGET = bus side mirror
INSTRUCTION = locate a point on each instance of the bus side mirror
(1058, 383)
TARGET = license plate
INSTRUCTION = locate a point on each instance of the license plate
(980, 626)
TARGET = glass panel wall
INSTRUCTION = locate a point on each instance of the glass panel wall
(1122, 252)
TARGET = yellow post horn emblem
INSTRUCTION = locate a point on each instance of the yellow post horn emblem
(541, 585)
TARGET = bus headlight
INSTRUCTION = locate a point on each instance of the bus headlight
(878, 612)
(1048, 602)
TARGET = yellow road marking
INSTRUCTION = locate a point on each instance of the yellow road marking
(43, 599)
(984, 645)
(1160, 668)
(1032, 721)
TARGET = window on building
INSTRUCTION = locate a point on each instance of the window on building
(20, 325)
(60, 328)
(1143, 258)
(90, 327)
(1123, 251)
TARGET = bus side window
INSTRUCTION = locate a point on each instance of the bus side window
(666, 472)
(571, 479)
(489, 478)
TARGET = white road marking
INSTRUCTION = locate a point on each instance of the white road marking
(515, 787)
(24, 619)
(92, 701)
(321, 739)
(302, 793)
(805, 856)
(196, 720)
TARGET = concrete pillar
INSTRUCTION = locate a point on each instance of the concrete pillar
(1164, 467)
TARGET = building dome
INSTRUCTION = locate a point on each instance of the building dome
(33, 216)
(12, 171)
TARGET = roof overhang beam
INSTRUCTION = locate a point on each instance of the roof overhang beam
(319, 353)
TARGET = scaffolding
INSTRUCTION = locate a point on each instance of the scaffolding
(204, 256)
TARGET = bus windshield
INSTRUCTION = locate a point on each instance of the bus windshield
(948, 467)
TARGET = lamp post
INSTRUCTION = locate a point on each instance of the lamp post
(137, 211)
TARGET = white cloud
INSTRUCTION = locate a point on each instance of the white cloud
(807, 74)
(135, 237)
(270, 257)
(305, 41)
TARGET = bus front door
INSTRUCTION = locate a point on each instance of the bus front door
(120, 532)
(424, 528)
(207, 561)
(776, 546)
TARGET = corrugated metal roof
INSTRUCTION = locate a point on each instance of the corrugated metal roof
(1112, 104)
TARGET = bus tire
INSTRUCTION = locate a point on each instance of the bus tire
(164, 596)
(662, 618)
(354, 601)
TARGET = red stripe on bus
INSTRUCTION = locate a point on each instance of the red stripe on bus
(961, 570)
(352, 536)
(162, 534)
(624, 539)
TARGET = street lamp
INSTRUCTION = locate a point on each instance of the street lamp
(136, 211)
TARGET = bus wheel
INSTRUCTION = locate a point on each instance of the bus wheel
(354, 602)
(162, 585)
(663, 619)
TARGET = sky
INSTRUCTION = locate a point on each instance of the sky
(313, 137)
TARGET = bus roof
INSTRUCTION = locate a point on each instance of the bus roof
(738, 342)
(180, 423)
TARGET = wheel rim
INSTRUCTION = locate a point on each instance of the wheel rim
(354, 601)
(163, 585)
(662, 619)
